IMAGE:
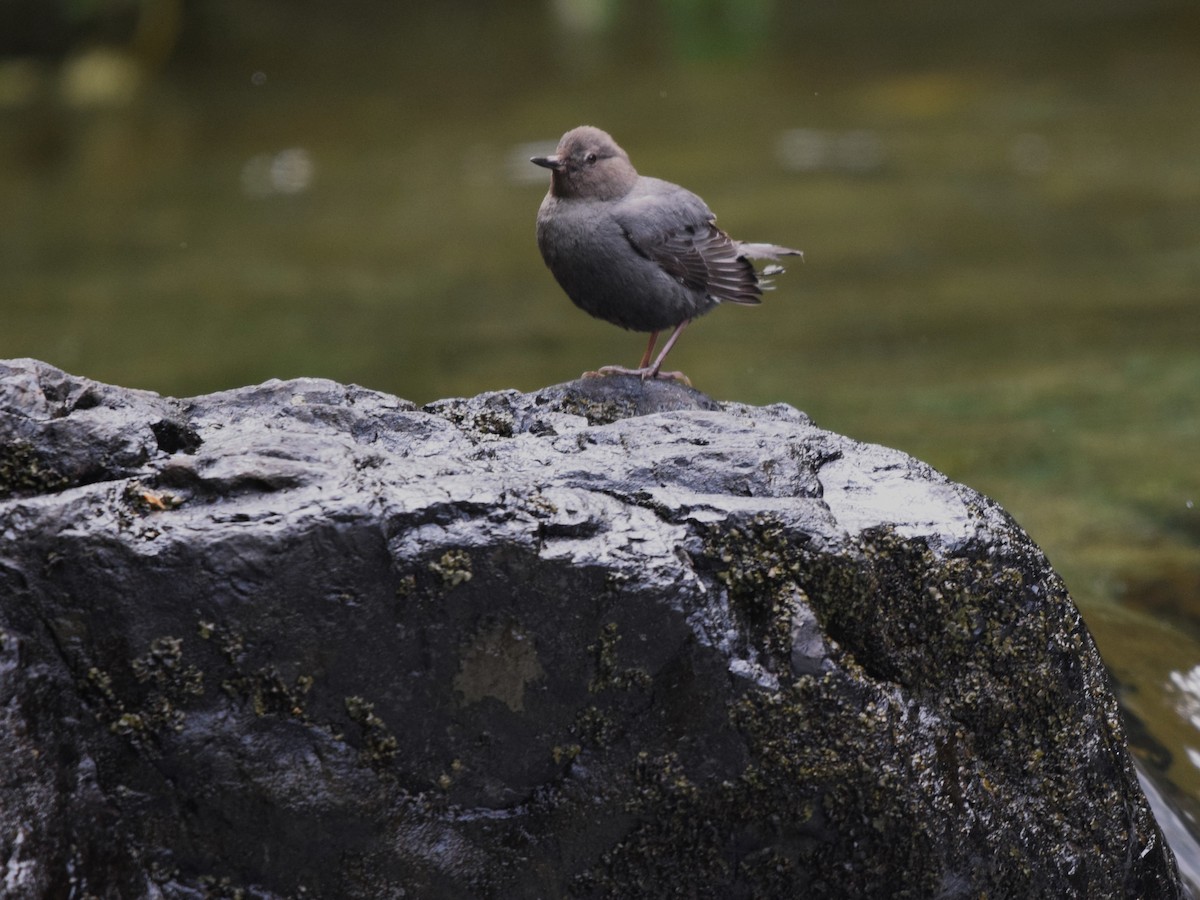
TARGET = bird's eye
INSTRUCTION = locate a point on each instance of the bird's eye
(590, 158)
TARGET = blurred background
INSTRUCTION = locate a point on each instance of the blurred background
(999, 205)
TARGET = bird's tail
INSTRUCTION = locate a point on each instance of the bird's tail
(765, 251)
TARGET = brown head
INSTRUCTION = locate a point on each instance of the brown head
(588, 165)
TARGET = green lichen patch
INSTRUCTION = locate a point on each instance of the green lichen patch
(616, 690)
(816, 807)
(609, 674)
(831, 778)
(761, 565)
(539, 506)
(678, 841)
(229, 641)
(565, 753)
(986, 642)
(446, 780)
(406, 586)
(162, 665)
(454, 568)
(595, 727)
(379, 744)
(269, 693)
(493, 417)
(24, 472)
(754, 559)
(955, 685)
(494, 422)
(155, 703)
(597, 412)
(263, 687)
(99, 683)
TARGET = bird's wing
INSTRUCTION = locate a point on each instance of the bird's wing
(675, 229)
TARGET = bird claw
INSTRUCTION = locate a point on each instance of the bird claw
(673, 376)
(615, 370)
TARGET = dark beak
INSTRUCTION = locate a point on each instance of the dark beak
(547, 162)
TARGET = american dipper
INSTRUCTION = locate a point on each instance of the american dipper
(639, 252)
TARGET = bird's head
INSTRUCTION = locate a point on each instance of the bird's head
(588, 165)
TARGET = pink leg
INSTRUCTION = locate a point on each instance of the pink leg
(649, 350)
(653, 373)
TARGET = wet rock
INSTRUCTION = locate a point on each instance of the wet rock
(608, 639)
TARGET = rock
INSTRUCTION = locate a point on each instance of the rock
(608, 639)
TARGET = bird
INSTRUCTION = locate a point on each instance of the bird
(640, 252)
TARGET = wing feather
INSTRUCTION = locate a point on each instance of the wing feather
(675, 229)
(703, 258)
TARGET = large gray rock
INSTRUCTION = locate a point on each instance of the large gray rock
(610, 639)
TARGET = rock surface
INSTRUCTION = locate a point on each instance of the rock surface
(609, 639)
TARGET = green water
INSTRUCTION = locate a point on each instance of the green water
(999, 205)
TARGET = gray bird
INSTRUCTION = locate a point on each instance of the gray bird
(639, 252)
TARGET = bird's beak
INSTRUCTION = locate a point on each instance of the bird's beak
(547, 162)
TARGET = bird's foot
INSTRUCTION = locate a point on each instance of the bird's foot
(674, 376)
(644, 373)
